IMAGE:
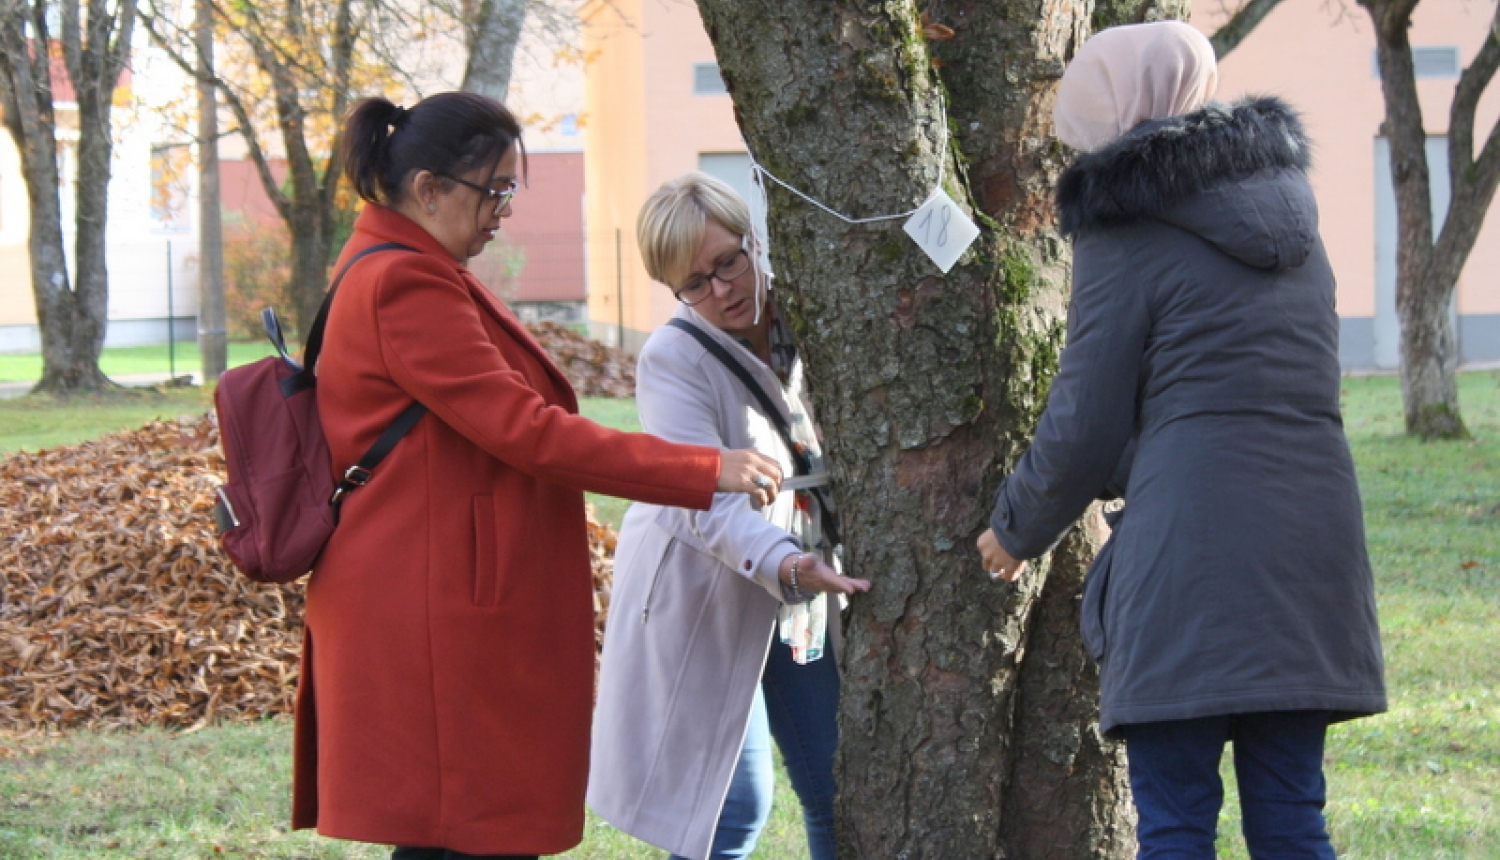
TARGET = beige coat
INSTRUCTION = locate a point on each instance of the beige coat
(693, 609)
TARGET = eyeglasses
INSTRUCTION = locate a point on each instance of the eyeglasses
(701, 286)
(502, 197)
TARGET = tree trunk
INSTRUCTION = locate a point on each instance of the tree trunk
(91, 290)
(968, 720)
(310, 252)
(70, 322)
(492, 47)
(213, 339)
(1424, 291)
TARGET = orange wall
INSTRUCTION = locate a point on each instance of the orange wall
(1320, 58)
(646, 125)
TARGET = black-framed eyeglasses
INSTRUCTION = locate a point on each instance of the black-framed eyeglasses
(701, 287)
(501, 196)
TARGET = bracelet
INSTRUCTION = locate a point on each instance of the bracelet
(793, 586)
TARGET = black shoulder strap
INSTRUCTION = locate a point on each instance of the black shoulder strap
(359, 474)
(799, 459)
(305, 376)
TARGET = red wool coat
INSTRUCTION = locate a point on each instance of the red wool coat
(448, 663)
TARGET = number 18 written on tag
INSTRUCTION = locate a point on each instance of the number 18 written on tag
(942, 229)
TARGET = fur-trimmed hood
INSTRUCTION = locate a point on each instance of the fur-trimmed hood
(1233, 174)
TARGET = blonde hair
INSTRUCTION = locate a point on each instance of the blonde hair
(675, 217)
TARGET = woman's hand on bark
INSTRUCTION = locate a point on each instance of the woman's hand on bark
(998, 563)
(815, 576)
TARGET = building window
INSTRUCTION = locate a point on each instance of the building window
(1428, 62)
(707, 81)
(170, 168)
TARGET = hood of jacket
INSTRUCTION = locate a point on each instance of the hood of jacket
(1234, 175)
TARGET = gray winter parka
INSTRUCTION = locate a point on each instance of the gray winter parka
(1201, 381)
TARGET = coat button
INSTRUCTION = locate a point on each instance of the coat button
(749, 565)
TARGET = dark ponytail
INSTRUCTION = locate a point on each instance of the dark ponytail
(448, 134)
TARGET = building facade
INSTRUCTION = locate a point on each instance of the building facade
(657, 109)
(152, 241)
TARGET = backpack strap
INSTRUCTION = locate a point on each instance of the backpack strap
(799, 459)
(305, 376)
(359, 474)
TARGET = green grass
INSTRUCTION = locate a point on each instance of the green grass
(1424, 779)
(37, 421)
(619, 413)
(1420, 781)
(121, 361)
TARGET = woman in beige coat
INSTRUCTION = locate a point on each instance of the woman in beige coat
(695, 678)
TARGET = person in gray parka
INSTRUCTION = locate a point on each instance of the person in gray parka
(1200, 381)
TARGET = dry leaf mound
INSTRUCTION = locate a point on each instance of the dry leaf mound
(593, 369)
(118, 607)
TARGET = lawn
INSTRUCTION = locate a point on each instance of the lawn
(1420, 781)
(180, 359)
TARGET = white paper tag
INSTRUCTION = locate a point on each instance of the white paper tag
(942, 229)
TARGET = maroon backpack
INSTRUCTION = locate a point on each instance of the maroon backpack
(281, 503)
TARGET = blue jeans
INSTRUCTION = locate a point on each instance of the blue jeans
(1278, 765)
(798, 706)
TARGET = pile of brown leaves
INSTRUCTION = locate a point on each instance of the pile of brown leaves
(118, 607)
(593, 369)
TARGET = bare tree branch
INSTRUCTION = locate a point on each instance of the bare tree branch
(170, 38)
(1234, 31)
(1473, 181)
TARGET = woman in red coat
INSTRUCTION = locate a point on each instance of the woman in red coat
(448, 665)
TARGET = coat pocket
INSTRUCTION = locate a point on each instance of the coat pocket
(486, 563)
(1095, 592)
(666, 555)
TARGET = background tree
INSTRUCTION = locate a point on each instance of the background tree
(213, 338)
(969, 707)
(493, 30)
(93, 46)
(288, 74)
(1428, 262)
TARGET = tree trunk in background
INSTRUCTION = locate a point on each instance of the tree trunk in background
(213, 341)
(1428, 264)
(1429, 351)
(27, 90)
(307, 55)
(969, 707)
(95, 47)
(494, 34)
(71, 317)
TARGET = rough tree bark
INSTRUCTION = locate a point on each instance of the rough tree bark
(1428, 265)
(94, 43)
(969, 708)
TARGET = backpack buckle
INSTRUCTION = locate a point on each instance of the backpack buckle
(354, 476)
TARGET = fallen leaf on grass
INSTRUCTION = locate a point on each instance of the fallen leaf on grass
(118, 608)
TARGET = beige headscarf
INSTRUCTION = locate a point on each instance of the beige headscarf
(1126, 75)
